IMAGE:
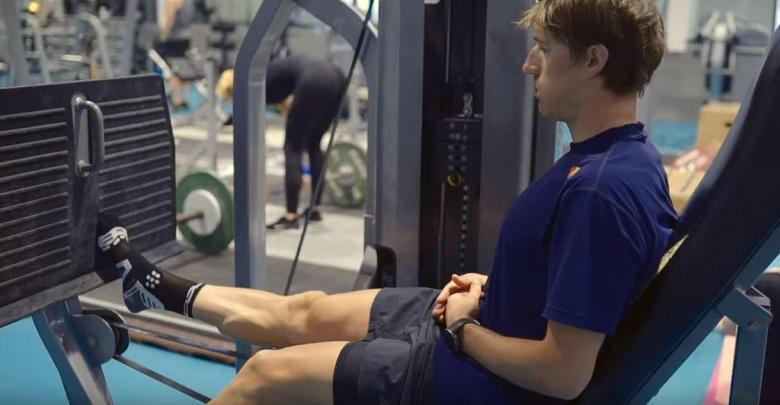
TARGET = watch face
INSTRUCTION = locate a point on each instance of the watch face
(449, 340)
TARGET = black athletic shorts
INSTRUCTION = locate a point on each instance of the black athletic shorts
(394, 363)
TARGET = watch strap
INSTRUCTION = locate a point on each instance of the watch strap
(455, 329)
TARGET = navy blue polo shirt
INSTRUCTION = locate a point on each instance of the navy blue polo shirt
(576, 247)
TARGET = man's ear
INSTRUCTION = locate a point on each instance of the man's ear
(596, 58)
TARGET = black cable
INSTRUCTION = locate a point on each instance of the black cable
(161, 378)
(321, 177)
(180, 340)
(440, 234)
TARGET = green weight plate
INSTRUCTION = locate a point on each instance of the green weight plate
(346, 175)
(220, 238)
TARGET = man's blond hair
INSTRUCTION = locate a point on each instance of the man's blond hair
(632, 31)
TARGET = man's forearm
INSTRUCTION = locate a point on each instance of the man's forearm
(523, 362)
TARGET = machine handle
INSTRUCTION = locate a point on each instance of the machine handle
(97, 137)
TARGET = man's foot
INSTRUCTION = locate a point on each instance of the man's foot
(316, 216)
(284, 223)
(144, 286)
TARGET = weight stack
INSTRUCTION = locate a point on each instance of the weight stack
(451, 140)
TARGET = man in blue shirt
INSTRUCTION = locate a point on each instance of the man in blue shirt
(575, 250)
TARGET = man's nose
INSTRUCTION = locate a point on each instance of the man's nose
(530, 68)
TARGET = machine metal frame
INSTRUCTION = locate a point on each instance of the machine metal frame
(392, 216)
(18, 68)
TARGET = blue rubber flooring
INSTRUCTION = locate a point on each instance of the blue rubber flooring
(28, 375)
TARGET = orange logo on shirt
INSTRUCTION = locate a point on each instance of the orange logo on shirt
(574, 170)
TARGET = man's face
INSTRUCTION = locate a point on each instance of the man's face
(556, 78)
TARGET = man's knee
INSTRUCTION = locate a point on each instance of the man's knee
(302, 308)
(273, 369)
(303, 303)
(264, 366)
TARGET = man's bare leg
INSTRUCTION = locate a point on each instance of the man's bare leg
(252, 315)
(294, 375)
(261, 317)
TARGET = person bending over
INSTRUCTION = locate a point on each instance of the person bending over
(309, 91)
(576, 248)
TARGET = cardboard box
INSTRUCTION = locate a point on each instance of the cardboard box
(687, 171)
(715, 121)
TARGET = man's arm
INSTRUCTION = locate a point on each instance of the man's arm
(559, 366)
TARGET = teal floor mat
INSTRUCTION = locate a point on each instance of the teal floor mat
(28, 376)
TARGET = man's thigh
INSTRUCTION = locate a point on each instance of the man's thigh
(293, 375)
(342, 316)
(357, 315)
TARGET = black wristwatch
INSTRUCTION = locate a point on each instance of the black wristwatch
(452, 337)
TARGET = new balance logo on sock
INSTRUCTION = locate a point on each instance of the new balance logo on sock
(137, 298)
(124, 267)
(112, 238)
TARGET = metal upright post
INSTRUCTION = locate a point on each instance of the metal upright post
(100, 35)
(20, 71)
(40, 48)
(249, 143)
(749, 310)
(211, 114)
(397, 199)
(249, 121)
(129, 24)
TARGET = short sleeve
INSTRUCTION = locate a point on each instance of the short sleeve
(596, 255)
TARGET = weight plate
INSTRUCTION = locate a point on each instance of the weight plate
(346, 175)
(205, 202)
(206, 188)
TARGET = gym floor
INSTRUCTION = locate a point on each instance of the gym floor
(28, 375)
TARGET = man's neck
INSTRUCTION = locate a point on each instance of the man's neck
(602, 115)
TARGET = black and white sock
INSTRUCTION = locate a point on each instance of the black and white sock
(144, 285)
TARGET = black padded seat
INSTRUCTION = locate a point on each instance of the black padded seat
(729, 234)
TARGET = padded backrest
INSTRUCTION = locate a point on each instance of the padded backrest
(731, 234)
(48, 214)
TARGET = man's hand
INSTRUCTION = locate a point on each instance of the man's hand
(464, 304)
(458, 284)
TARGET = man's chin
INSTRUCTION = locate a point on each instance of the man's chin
(543, 111)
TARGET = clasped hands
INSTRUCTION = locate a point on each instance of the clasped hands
(459, 298)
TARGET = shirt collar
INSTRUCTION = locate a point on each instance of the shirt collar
(606, 139)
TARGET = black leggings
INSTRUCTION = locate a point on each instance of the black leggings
(769, 285)
(316, 101)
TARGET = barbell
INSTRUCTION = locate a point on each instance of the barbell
(204, 207)
(204, 203)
